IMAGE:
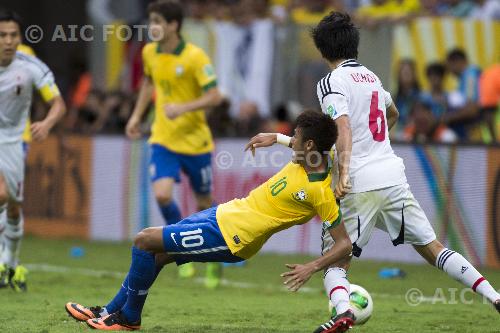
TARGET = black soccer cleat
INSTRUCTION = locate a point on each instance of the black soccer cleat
(339, 324)
(496, 304)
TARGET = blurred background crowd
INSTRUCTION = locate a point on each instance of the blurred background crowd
(267, 68)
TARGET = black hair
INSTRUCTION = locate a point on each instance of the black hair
(170, 10)
(7, 15)
(456, 54)
(435, 68)
(318, 127)
(336, 37)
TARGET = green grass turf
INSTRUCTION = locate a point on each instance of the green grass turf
(260, 305)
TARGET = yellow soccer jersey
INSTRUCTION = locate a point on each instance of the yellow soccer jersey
(180, 77)
(27, 131)
(288, 198)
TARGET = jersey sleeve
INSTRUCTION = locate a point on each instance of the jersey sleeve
(332, 96)
(43, 80)
(204, 71)
(387, 98)
(146, 61)
(327, 208)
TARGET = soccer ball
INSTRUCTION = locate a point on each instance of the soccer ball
(361, 304)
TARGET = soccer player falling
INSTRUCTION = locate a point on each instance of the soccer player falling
(372, 183)
(19, 74)
(184, 82)
(236, 230)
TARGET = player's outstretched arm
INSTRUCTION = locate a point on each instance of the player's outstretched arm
(41, 129)
(209, 99)
(300, 274)
(133, 129)
(268, 139)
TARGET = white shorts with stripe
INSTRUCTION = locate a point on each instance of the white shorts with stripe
(393, 209)
(12, 169)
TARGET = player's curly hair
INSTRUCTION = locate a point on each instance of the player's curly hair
(170, 10)
(318, 127)
(336, 37)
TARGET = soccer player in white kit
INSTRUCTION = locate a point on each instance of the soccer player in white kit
(19, 74)
(372, 181)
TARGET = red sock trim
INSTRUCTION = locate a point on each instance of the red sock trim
(477, 283)
(337, 288)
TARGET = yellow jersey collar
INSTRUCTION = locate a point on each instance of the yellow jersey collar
(178, 50)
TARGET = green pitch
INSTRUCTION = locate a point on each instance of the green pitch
(252, 298)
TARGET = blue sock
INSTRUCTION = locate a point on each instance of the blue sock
(171, 213)
(141, 276)
(121, 297)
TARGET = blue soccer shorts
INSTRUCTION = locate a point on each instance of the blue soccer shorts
(165, 163)
(197, 238)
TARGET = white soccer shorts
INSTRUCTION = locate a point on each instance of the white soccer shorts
(393, 209)
(12, 169)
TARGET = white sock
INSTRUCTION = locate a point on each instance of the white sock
(461, 270)
(338, 288)
(12, 241)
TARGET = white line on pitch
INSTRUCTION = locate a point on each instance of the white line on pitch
(224, 282)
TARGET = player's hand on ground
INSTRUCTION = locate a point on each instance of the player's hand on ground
(297, 276)
(173, 111)
(343, 186)
(133, 129)
(40, 130)
(261, 140)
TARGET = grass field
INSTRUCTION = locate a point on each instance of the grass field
(251, 300)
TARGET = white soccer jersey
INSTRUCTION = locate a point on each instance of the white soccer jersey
(353, 90)
(16, 90)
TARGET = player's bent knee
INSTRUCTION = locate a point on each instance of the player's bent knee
(141, 240)
(150, 239)
(343, 263)
(163, 199)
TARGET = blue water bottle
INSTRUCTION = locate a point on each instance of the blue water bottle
(391, 273)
